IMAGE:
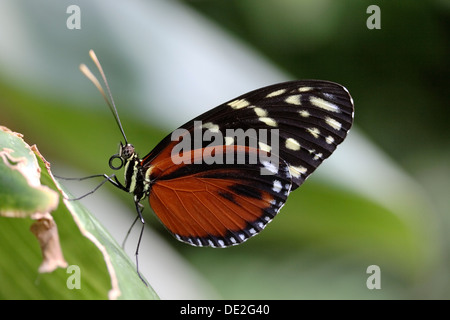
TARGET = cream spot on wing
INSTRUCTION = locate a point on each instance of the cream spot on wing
(264, 147)
(211, 126)
(329, 139)
(229, 141)
(269, 121)
(297, 171)
(276, 93)
(324, 104)
(304, 113)
(333, 123)
(239, 104)
(295, 99)
(318, 156)
(260, 112)
(292, 144)
(314, 132)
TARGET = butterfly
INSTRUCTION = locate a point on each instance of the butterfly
(220, 178)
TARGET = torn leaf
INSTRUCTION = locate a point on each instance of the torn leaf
(46, 233)
(21, 193)
(23, 196)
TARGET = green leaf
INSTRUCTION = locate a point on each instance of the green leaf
(21, 194)
(97, 267)
(122, 270)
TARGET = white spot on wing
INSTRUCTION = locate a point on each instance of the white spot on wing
(229, 141)
(304, 113)
(269, 121)
(211, 126)
(314, 131)
(276, 93)
(260, 112)
(295, 100)
(277, 186)
(270, 166)
(264, 147)
(329, 139)
(333, 123)
(324, 104)
(318, 156)
(297, 171)
(239, 104)
(292, 144)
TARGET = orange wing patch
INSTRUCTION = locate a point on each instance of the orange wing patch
(194, 207)
(218, 207)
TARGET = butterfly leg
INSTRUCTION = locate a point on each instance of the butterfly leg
(139, 208)
(129, 231)
(115, 182)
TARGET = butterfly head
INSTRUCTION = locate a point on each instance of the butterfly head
(126, 153)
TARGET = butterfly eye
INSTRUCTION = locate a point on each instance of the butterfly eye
(112, 159)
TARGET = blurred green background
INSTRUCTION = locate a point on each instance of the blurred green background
(381, 199)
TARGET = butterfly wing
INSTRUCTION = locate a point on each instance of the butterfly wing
(220, 205)
(206, 203)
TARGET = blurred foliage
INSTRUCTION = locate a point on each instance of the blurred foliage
(397, 75)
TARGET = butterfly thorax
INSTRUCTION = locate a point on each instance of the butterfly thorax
(134, 178)
(134, 173)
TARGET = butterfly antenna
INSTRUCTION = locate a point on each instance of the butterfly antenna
(110, 101)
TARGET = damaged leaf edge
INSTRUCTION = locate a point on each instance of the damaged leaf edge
(44, 228)
(114, 292)
(31, 173)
